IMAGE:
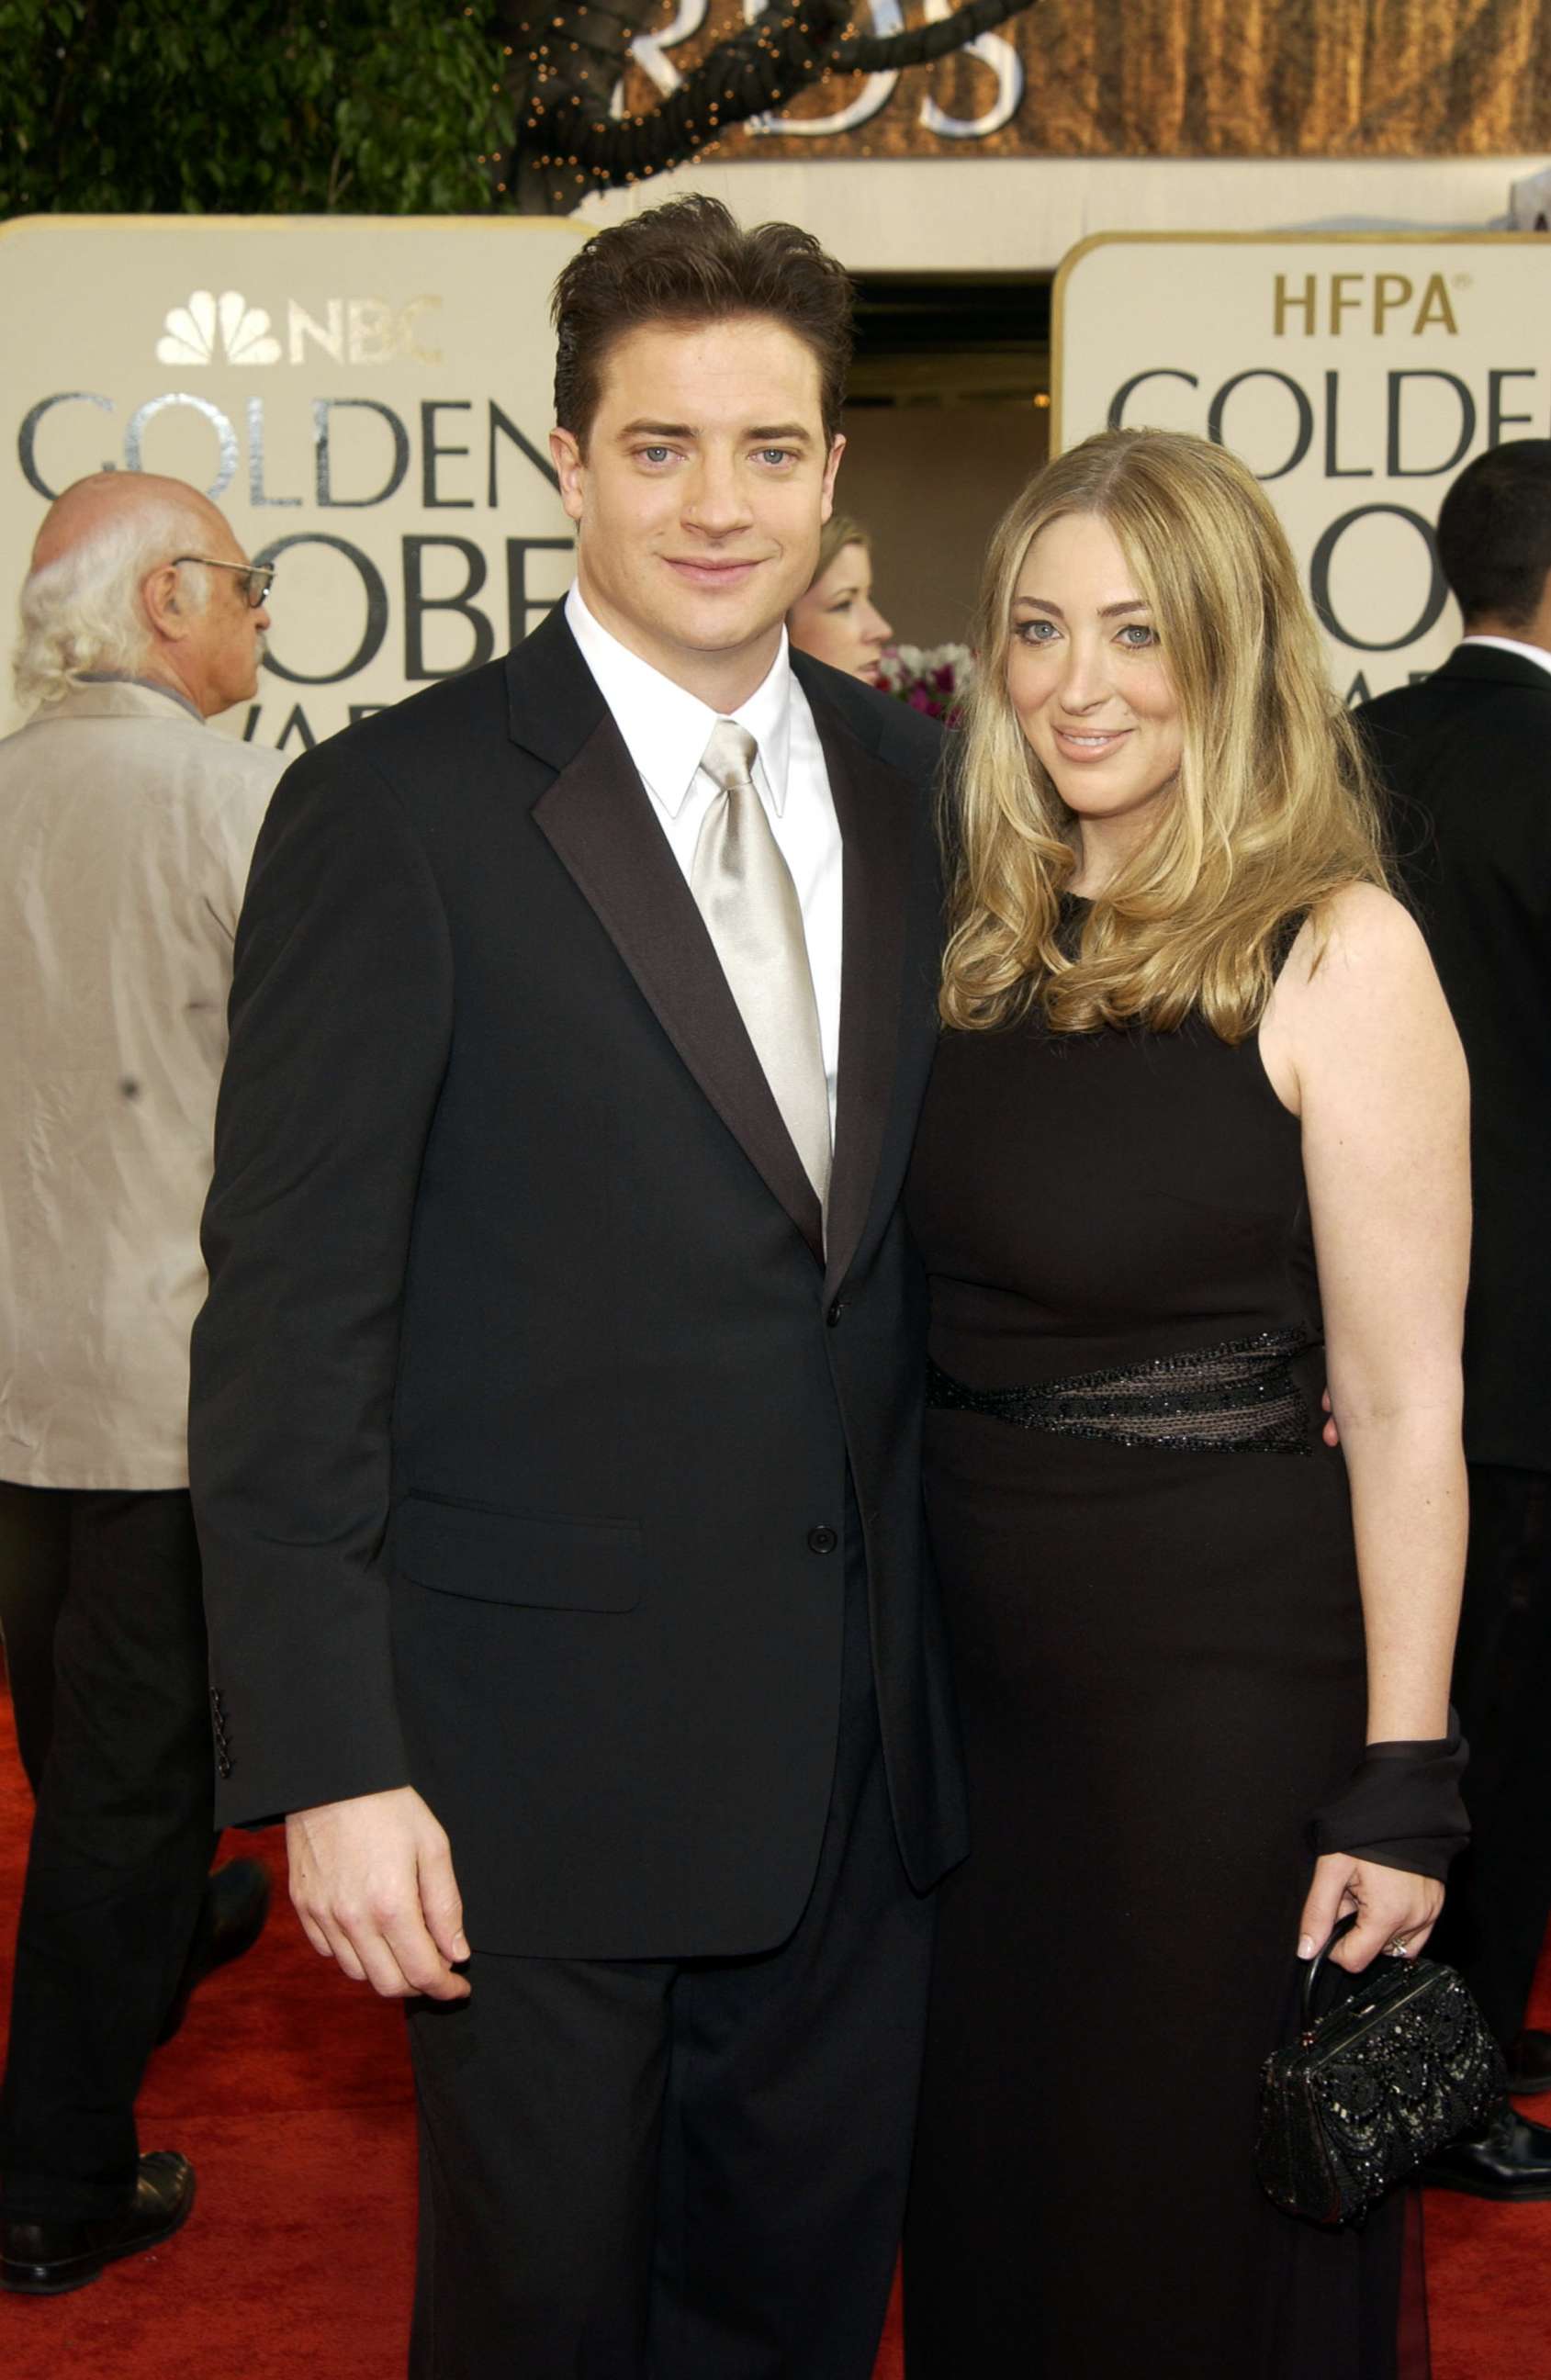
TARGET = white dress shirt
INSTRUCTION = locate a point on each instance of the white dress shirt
(1536, 653)
(666, 731)
(126, 826)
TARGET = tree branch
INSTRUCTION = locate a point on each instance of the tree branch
(568, 142)
(919, 45)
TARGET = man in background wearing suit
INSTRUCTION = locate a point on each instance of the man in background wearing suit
(126, 829)
(556, 1404)
(1468, 756)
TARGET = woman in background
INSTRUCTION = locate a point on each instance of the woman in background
(837, 620)
(1196, 1137)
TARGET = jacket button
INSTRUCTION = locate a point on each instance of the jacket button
(821, 1541)
(836, 1309)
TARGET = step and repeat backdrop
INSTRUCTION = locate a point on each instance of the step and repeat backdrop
(1355, 373)
(368, 401)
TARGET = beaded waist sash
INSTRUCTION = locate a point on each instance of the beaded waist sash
(1239, 1396)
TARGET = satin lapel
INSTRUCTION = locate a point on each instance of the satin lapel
(598, 819)
(873, 804)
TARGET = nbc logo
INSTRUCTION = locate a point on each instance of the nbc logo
(190, 333)
(210, 330)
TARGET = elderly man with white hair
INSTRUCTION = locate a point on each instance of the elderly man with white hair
(125, 832)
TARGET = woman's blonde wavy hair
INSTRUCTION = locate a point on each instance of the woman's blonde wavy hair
(1274, 809)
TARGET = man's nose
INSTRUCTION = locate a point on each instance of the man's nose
(715, 500)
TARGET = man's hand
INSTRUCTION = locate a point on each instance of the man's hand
(371, 1880)
(1395, 1909)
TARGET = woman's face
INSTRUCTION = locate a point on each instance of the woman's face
(836, 620)
(1088, 679)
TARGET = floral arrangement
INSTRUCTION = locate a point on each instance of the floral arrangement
(934, 679)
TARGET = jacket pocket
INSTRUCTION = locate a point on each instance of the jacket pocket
(519, 1558)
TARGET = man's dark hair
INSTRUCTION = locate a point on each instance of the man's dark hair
(1494, 532)
(691, 262)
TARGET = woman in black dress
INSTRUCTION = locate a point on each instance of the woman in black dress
(1194, 1142)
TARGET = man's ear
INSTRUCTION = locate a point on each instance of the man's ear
(164, 607)
(566, 455)
(831, 465)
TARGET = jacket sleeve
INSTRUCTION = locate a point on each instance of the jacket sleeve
(340, 1022)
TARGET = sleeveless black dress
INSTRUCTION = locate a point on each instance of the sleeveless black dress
(1148, 1563)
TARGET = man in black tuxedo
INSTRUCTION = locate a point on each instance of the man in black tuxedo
(556, 1404)
(1467, 754)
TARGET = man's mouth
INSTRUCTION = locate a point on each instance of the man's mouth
(700, 570)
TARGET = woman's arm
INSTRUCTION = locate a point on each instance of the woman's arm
(1362, 1045)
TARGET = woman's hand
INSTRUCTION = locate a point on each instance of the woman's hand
(1397, 1911)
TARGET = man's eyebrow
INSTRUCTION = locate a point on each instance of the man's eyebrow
(658, 429)
(785, 433)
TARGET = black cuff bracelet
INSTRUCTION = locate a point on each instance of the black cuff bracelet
(1401, 1806)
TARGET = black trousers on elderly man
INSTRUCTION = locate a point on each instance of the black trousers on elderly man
(101, 1610)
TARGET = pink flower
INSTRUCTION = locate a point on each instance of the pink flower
(932, 682)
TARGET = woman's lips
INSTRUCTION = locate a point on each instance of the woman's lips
(1089, 744)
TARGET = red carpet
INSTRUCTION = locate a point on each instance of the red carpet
(290, 2092)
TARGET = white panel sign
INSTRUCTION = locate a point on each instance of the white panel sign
(1355, 373)
(367, 399)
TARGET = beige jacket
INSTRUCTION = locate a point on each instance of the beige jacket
(126, 829)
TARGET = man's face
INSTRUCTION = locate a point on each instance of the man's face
(226, 643)
(706, 482)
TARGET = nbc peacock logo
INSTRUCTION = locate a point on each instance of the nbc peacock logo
(209, 328)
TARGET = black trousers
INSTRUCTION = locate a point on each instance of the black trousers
(684, 2170)
(112, 1692)
(34, 1578)
(1499, 1894)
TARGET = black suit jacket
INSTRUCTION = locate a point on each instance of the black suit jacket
(525, 1398)
(1467, 756)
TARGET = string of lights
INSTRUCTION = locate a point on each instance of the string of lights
(569, 61)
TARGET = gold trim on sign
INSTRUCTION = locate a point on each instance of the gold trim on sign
(1241, 239)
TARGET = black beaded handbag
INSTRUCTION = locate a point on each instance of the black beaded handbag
(1370, 2089)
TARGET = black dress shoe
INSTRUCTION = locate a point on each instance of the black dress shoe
(44, 2260)
(1528, 2067)
(231, 1919)
(1510, 2158)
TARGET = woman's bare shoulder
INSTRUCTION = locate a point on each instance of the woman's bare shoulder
(1357, 939)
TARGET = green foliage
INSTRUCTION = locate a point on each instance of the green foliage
(250, 107)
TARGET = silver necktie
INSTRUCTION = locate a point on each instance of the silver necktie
(749, 902)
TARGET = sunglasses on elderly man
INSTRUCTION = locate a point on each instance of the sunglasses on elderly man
(257, 578)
